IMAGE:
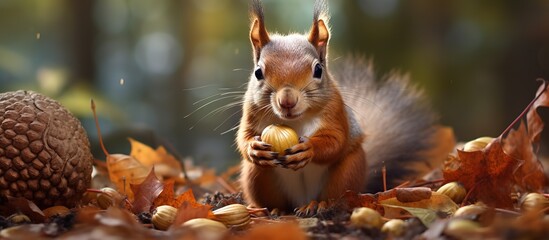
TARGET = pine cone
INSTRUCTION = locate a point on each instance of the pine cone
(44, 151)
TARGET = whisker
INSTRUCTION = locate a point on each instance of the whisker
(230, 130)
(227, 119)
(200, 87)
(215, 111)
(209, 103)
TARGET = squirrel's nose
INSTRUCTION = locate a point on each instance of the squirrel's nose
(287, 99)
(287, 103)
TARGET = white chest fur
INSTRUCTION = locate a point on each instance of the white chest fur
(303, 185)
(306, 184)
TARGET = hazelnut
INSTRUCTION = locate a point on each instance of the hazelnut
(205, 224)
(280, 137)
(234, 215)
(44, 151)
(454, 191)
(462, 228)
(477, 144)
(472, 211)
(164, 216)
(366, 218)
(394, 227)
(534, 202)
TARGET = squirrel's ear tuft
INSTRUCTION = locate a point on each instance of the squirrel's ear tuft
(258, 33)
(320, 33)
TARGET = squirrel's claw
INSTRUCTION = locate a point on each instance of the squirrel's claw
(260, 153)
(313, 209)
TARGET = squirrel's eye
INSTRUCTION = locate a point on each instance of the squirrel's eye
(318, 71)
(259, 74)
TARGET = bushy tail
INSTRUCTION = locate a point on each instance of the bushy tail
(399, 125)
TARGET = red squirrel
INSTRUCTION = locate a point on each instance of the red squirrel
(344, 117)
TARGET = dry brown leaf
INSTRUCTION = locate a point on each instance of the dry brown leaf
(508, 162)
(426, 210)
(13, 205)
(146, 192)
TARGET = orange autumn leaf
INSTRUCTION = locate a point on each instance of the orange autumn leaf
(191, 210)
(167, 197)
(165, 163)
(283, 230)
(508, 162)
(143, 153)
(125, 170)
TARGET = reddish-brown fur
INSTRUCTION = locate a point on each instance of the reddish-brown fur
(332, 156)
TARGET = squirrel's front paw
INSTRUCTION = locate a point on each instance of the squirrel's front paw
(260, 153)
(299, 155)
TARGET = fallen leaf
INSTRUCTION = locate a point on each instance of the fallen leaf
(427, 210)
(143, 153)
(11, 205)
(166, 164)
(406, 194)
(125, 170)
(509, 162)
(272, 232)
(146, 192)
(191, 210)
(167, 196)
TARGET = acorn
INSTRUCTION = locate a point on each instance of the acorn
(108, 197)
(280, 137)
(205, 224)
(45, 153)
(366, 218)
(460, 228)
(164, 216)
(234, 215)
(454, 191)
(394, 227)
(472, 211)
(477, 144)
(534, 202)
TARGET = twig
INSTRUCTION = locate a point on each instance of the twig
(523, 113)
(384, 174)
(469, 193)
(501, 210)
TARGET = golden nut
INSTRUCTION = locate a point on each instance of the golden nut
(163, 217)
(280, 137)
(453, 190)
(19, 218)
(234, 215)
(204, 224)
(477, 144)
(366, 217)
(108, 197)
(394, 227)
(471, 211)
(534, 202)
(460, 228)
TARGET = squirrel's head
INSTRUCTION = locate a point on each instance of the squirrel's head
(290, 70)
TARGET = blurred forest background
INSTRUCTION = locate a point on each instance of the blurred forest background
(146, 62)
